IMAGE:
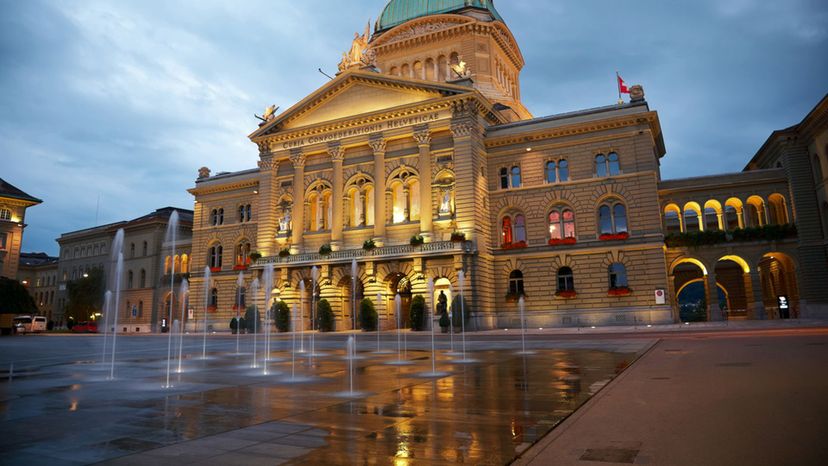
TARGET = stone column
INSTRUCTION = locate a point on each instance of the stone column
(712, 297)
(337, 156)
(423, 137)
(298, 159)
(378, 146)
(753, 295)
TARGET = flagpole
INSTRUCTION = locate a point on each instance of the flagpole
(618, 85)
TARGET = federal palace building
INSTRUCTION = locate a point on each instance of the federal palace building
(419, 160)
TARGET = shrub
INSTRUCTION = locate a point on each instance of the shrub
(325, 250)
(234, 325)
(369, 245)
(418, 313)
(417, 240)
(242, 325)
(253, 319)
(281, 316)
(444, 320)
(457, 312)
(325, 316)
(458, 236)
(284, 252)
(254, 256)
(367, 315)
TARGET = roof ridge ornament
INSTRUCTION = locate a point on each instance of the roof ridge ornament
(360, 55)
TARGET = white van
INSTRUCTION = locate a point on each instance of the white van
(30, 324)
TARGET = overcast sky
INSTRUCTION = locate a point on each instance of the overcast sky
(123, 101)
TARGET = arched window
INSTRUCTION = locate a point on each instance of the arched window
(566, 280)
(214, 217)
(406, 71)
(369, 205)
(5, 214)
(177, 264)
(442, 68)
(600, 165)
(248, 210)
(551, 172)
(755, 212)
(612, 218)
(614, 164)
(243, 253)
(561, 223)
(818, 176)
(167, 265)
(185, 263)
(515, 177)
(672, 220)
(241, 213)
(215, 256)
(617, 276)
(143, 278)
(520, 229)
(711, 219)
(777, 209)
(504, 178)
(506, 231)
(242, 297)
(516, 283)
(418, 70)
(430, 70)
(734, 214)
(140, 309)
(692, 222)
(214, 297)
(145, 249)
(131, 250)
(563, 170)
(221, 216)
(129, 280)
(414, 201)
(398, 203)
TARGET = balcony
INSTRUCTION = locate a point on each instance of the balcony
(387, 252)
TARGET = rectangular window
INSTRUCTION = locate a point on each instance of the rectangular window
(3, 241)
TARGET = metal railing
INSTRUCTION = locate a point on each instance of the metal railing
(405, 250)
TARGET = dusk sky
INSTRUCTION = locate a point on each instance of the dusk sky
(123, 101)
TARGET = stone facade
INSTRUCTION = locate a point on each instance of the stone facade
(38, 272)
(416, 174)
(13, 205)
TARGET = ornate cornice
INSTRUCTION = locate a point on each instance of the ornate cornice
(223, 188)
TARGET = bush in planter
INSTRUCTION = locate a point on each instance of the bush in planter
(324, 316)
(253, 319)
(242, 326)
(418, 313)
(284, 252)
(325, 250)
(281, 316)
(368, 315)
(234, 326)
(417, 240)
(369, 245)
(254, 256)
(458, 312)
(444, 322)
(458, 236)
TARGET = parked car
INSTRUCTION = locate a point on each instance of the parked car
(29, 324)
(85, 327)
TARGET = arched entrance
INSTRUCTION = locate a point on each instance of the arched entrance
(442, 285)
(731, 273)
(777, 274)
(689, 282)
(347, 301)
(399, 284)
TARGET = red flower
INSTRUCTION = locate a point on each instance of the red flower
(621, 291)
(614, 237)
(212, 308)
(518, 245)
(215, 269)
(563, 242)
(566, 294)
(240, 267)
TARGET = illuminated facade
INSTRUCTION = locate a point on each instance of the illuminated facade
(422, 138)
(13, 205)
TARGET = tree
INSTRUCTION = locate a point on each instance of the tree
(367, 315)
(325, 316)
(458, 311)
(281, 316)
(86, 295)
(418, 313)
(14, 298)
(253, 319)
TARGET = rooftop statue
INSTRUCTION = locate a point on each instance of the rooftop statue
(269, 114)
(360, 55)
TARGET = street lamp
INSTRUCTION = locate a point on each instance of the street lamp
(85, 275)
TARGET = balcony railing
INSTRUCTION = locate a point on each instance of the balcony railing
(387, 252)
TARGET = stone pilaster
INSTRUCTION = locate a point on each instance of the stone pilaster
(378, 146)
(337, 154)
(753, 293)
(265, 207)
(298, 159)
(712, 293)
(423, 138)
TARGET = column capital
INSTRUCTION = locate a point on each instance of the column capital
(377, 145)
(268, 164)
(336, 152)
(298, 158)
(422, 136)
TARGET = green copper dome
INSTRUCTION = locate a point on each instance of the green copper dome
(400, 11)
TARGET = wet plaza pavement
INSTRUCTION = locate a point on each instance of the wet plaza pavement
(58, 407)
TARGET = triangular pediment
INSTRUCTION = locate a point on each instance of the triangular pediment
(357, 93)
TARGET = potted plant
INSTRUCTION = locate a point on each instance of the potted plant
(242, 325)
(325, 316)
(369, 245)
(563, 242)
(614, 236)
(253, 319)
(215, 269)
(517, 245)
(417, 313)
(619, 291)
(281, 316)
(459, 313)
(458, 237)
(325, 250)
(513, 297)
(254, 256)
(444, 322)
(566, 294)
(367, 316)
(417, 240)
(284, 252)
(239, 267)
(234, 326)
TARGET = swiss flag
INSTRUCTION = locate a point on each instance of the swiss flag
(622, 86)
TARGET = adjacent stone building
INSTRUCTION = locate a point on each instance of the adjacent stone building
(13, 205)
(38, 272)
(148, 272)
(419, 161)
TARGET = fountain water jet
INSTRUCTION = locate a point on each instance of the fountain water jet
(183, 291)
(353, 294)
(116, 277)
(169, 237)
(461, 279)
(522, 307)
(400, 360)
(206, 307)
(302, 316)
(430, 314)
(255, 289)
(107, 307)
(239, 286)
(267, 278)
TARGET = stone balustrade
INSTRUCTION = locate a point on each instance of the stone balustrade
(387, 252)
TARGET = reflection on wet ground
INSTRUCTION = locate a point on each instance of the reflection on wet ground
(221, 411)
